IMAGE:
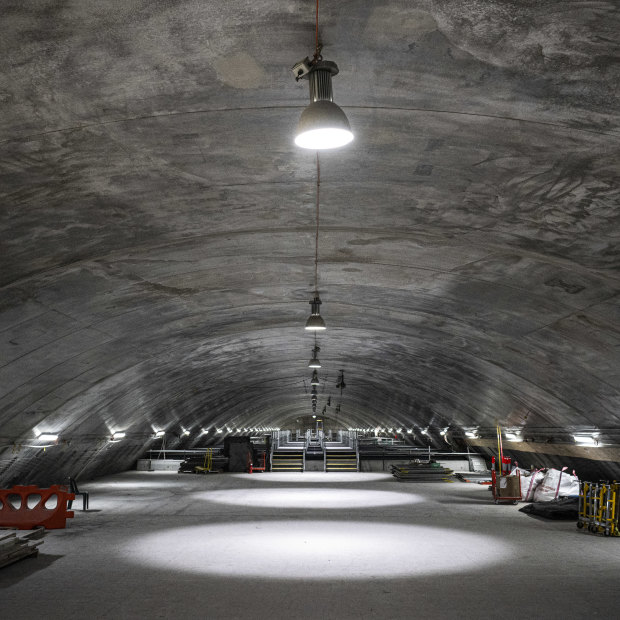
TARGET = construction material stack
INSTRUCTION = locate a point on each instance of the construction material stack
(422, 472)
(15, 545)
(599, 505)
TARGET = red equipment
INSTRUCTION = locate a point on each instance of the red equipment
(252, 467)
(505, 488)
(25, 517)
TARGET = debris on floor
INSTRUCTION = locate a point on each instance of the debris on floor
(481, 477)
(16, 545)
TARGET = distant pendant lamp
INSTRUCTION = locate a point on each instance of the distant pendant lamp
(314, 362)
(315, 322)
(315, 378)
(323, 125)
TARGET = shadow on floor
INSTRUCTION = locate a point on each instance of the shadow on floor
(14, 573)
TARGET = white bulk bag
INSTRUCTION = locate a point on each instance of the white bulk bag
(556, 484)
(529, 482)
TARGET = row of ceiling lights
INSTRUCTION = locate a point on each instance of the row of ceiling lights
(583, 439)
(52, 438)
(323, 125)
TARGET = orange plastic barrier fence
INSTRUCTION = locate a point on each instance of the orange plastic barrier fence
(27, 507)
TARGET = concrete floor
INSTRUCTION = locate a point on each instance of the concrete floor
(162, 545)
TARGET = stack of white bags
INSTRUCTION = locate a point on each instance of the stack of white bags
(546, 485)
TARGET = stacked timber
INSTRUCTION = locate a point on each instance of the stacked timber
(421, 472)
(16, 545)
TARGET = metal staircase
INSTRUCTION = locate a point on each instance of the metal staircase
(341, 459)
(288, 459)
(293, 455)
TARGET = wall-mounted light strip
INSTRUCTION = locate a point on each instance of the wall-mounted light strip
(586, 440)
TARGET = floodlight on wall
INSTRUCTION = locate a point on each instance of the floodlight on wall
(323, 125)
(513, 437)
(160, 433)
(471, 434)
(118, 436)
(48, 437)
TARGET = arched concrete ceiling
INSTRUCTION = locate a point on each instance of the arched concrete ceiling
(158, 221)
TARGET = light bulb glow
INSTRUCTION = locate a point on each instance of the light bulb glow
(325, 138)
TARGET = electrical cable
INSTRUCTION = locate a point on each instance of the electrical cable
(316, 240)
(317, 47)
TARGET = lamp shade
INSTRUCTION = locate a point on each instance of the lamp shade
(315, 323)
(314, 363)
(323, 125)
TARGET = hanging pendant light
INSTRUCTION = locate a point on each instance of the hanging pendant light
(315, 378)
(314, 362)
(315, 322)
(323, 125)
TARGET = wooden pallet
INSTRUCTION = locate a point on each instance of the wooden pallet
(16, 545)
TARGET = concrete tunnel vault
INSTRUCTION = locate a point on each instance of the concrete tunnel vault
(157, 226)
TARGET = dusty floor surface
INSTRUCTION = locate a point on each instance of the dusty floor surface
(312, 545)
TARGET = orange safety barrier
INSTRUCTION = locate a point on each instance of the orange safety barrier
(33, 510)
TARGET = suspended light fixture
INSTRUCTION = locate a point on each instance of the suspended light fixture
(323, 125)
(315, 322)
(314, 362)
(315, 378)
(341, 384)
